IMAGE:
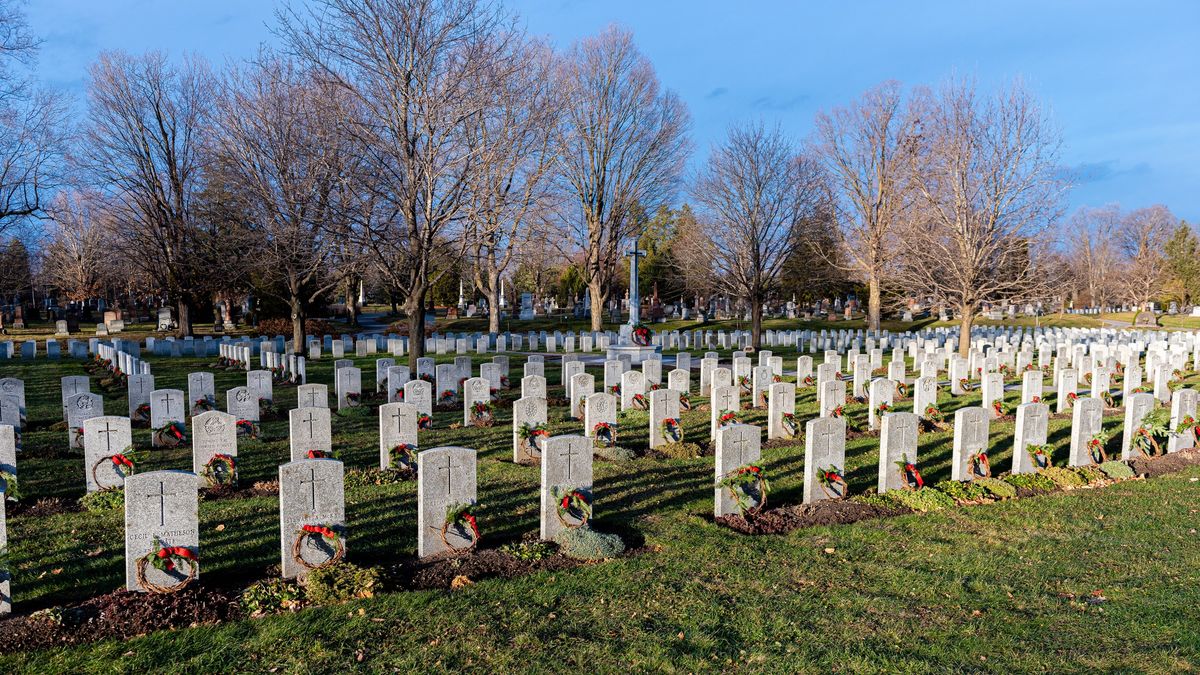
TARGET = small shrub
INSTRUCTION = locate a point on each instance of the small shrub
(1063, 477)
(356, 478)
(272, 595)
(528, 551)
(962, 491)
(874, 500)
(340, 582)
(921, 499)
(103, 500)
(996, 488)
(1116, 469)
(683, 450)
(1089, 474)
(1030, 481)
(584, 543)
(284, 327)
(615, 454)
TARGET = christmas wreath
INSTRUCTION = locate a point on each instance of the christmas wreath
(424, 422)
(964, 384)
(573, 503)
(839, 411)
(121, 463)
(909, 474)
(1040, 453)
(170, 435)
(481, 414)
(461, 517)
(639, 402)
(685, 402)
(353, 398)
(745, 383)
(426, 377)
(398, 395)
(403, 456)
(1153, 426)
(447, 397)
(640, 335)
(808, 381)
(203, 404)
(1000, 408)
(902, 390)
(671, 430)
(832, 482)
(741, 481)
(1188, 426)
(604, 434)
(615, 390)
(882, 409)
(978, 465)
(1109, 401)
(166, 559)
(933, 414)
(221, 469)
(727, 417)
(1071, 398)
(320, 454)
(1095, 448)
(529, 433)
(327, 536)
(247, 429)
(790, 426)
(9, 486)
(77, 437)
(141, 414)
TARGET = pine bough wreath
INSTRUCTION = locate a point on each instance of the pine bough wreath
(121, 463)
(481, 414)
(909, 474)
(403, 456)
(832, 482)
(572, 504)
(166, 559)
(741, 482)
(171, 434)
(671, 431)
(461, 517)
(529, 435)
(1040, 453)
(605, 434)
(221, 469)
(327, 536)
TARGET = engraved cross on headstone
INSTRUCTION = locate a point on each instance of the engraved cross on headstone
(309, 421)
(162, 495)
(312, 486)
(571, 453)
(449, 469)
(107, 431)
(312, 398)
(740, 442)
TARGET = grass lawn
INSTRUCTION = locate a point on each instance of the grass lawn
(1004, 587)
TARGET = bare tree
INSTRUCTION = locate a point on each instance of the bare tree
(75, 258)
(143, 145)
(32, 125)
(623, 146)
(988, 185)
(278, 141)
(1142, 237)
(1092, 253)
(411, 70)
(755, 191)
(860, 147)
(509, 191)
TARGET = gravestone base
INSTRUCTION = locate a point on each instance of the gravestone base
(637, 353)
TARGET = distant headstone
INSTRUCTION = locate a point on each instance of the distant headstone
(309, 433)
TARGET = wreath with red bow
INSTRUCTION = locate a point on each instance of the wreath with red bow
(604, 434)
(481, 414)
(640, 335)
(424, 422)
(529, 433)
(741, 481)
(403, 456)
(727, 417)
(325, 535)
(909, 474)
(671, 430)
(171, 434)
(832, 482)
(121, 463)
(247, 429)
(220, 469)
(1040, 454)
(166, 559)
(573, 504)
(639, 402)
(978, 465)
(790, 426)
(462, 517)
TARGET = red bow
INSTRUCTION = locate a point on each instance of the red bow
(912, 468)
(122, 460)
(470, 520)
(321, 530)
(316, 454)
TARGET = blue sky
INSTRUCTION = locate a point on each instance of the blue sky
(1121, 79)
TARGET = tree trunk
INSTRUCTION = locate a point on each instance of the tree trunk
(415, 306)
(493, 298)
(297, 326)
(352, 304)
(755, 320)
(966, 319)
(874, 310)
(597, 304)
(392, 299)
(184, 309)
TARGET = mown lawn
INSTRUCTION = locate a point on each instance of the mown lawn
(1001, 587)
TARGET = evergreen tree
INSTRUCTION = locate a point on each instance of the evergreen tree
(1181, 250)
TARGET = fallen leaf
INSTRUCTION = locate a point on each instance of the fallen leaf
(461, 581)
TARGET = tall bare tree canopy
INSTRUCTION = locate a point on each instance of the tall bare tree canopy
(412, 72)
(860, 147)
(144, 146)
(755, 192)
(988, 185)
(622, 148)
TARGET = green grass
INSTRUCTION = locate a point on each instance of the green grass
(997, 587)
